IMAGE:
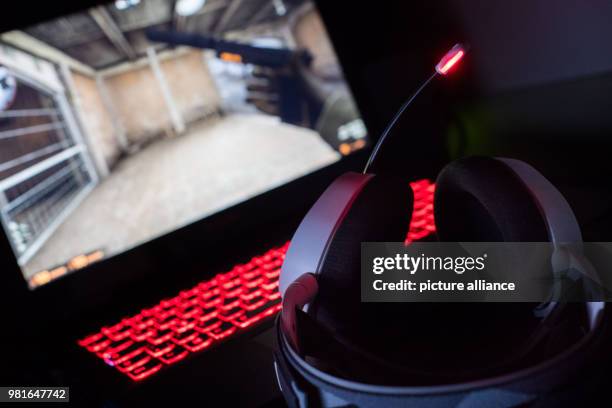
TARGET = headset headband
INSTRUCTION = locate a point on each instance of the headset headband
(563, 229)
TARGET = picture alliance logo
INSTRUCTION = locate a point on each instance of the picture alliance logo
(413, 264)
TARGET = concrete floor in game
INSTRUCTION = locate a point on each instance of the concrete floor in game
(178, 180)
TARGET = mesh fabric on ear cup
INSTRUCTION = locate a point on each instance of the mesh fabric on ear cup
(381, 212)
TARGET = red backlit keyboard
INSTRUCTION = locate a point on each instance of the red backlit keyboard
(422, 223)
(207, 314)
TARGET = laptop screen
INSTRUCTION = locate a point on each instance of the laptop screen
(121, 123)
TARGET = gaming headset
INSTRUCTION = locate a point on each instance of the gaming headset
(333, 350)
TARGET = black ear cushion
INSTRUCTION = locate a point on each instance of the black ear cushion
(480, 199)
(381, 212)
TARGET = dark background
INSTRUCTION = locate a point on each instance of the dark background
(536, 85)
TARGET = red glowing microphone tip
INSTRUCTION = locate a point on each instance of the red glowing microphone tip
(450, 59)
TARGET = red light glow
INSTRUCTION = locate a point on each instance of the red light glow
(206, 315)
(450, 59)
(422, 223)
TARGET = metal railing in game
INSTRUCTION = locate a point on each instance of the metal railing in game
(45, 170)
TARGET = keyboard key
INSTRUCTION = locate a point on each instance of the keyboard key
(143, 371)
(91, 339)
(207, 286)
(191, 294)
(160, 336)
(255, 283)
(251, 275)
(158, 349)
(250, 293)
(174, 355)
(213, 300)
(223, 330)
(207, 313)
(142, 334)
(229, 303)
(117, 357)
(211, 292)
(191, 310)
(165, 322)
(198, 342)
(273, 295)
(117, 346)
(273, 286)
(251, 317)
(226, 277)
(231, 285)
(254, 302)
(273, 274)
(101, 343)
(271, 304)
(231, 313)
(235, 291)
(208, 325)
(117, 332)
(185, 336)
(159, 312)
(133, 362)
(140, 321)
(180, 325)
(267, 308)
(243, 321)
(169, 304)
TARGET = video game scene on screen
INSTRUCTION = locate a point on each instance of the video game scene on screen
(126, 121)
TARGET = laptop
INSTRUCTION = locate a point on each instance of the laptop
(155, 158)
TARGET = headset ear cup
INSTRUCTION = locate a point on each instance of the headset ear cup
(480, 199)
(380, 213)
